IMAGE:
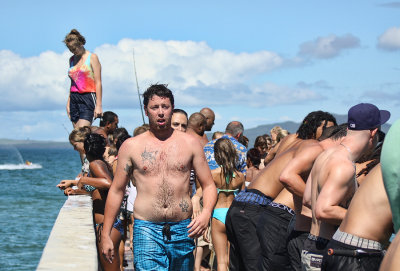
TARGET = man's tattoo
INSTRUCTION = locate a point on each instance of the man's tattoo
(184, 206)
(128, 169)
(149, 156)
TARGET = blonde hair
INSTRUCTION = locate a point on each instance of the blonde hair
(79, 134)
(276, 129)
(281, 135)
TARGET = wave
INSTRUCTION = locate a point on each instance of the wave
(20, 166)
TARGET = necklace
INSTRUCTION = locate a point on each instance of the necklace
(347, 149)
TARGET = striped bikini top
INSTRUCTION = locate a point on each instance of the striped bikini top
(82, 77)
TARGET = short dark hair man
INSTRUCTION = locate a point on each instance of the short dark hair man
(160, 161)
(210, 117)
(109, 122)
(196, 127)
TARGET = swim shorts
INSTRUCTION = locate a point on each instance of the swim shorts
(162, 245)
(273, 231)
(313, 251)
(119, 226)
(295, 246)
(81, 106)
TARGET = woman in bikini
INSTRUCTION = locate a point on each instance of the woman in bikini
(101, 178)
(84, 101)
(228, 181)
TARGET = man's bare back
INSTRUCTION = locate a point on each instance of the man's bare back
(370, 201)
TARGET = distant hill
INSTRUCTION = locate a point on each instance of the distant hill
(251, 134)
(34, 143)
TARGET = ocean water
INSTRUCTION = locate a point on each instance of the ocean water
(30, 200)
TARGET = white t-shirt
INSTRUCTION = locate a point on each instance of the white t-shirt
(131, 198)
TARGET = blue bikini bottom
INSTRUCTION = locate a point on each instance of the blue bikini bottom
(220, 214)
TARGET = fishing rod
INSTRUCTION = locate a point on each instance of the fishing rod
(137, 85)
(65, 128)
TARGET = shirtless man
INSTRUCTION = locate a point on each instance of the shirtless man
(333, 179)
(160, 161)
(273, 226)
(367, 226)
(243, 215)
(196, 127)
(294, 177)
(210, 118)
(179, 120)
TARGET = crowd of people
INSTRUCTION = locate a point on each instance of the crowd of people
(317, 199)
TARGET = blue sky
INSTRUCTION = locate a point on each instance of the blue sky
(257, 62)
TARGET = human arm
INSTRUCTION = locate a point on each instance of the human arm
(67, 107)
(102, 179)
(271, 154)
(333, 192)
(96, 66)
(70, 191)
(196, 201)
(64, 184)
(293, 175)
(199, 224)
(114, 199)
(391, 261)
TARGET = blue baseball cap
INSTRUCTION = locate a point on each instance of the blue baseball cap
(365, 116)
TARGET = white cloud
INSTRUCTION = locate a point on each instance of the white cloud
(328, 47)
(41, 82)
(267, 94)
(33, 83)
(390, 39)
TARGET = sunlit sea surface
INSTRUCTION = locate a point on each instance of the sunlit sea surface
(30, 201)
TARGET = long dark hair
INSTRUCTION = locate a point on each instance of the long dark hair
(226, 156)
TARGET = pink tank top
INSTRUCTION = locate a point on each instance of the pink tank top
(82, 78)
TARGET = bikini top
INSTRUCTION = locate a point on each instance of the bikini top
(234, 191)
(82, 77)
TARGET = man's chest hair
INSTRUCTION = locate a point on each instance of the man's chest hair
(162, 159)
